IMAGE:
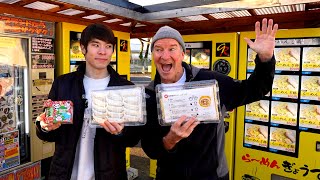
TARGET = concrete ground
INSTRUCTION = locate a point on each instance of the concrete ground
(139, 160)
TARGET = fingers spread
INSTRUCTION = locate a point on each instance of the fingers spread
(274, 31)
(257, 29)
(270, 25)
(249, 42)
(264, 26)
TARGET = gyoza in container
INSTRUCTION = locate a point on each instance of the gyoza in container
(125, 104)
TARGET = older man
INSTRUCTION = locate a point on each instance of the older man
(187, 149)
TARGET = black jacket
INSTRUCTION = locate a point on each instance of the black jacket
(109, 150)
(201, 155)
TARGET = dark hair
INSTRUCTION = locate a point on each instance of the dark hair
(97, 31)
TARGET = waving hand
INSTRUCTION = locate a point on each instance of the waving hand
(264, 43)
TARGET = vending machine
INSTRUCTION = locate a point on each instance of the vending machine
(26, 74)
(14, 101)
(279, 136)
(216, 52)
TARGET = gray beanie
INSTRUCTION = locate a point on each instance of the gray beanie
(168, 32)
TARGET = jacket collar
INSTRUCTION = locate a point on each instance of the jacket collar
(114, 76)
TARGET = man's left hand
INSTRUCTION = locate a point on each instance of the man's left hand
(264, 43)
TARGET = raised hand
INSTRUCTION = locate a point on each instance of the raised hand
(264, 43)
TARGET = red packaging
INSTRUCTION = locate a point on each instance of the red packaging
(59, 111)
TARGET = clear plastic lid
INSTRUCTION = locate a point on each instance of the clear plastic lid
(198, 99)
(122, 104)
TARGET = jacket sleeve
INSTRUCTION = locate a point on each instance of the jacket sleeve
(234, 93)
(130, 135)
(49, 136)
(152, 133)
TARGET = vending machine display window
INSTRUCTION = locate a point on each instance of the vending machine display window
(14, 102)
(198, 54)
(273, 124)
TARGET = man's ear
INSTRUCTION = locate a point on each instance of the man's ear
(83, 49)
(182, 54)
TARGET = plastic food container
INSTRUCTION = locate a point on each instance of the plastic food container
(122, 104)
(198, 99)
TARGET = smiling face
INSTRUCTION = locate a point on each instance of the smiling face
(98, 55)
(168, 55)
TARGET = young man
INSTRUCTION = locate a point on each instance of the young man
(187, 149)
(82, 152)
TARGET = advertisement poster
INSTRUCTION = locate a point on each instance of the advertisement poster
(9, 176)
(200, 58)
(6, 86)
(311, 59)
(258, 111)
(309, 116)
(42, 80)
(42, 45)
(9, 150)
(75, 51)
(30, 172)
(286, 86)
(18, 25)
(7, 115)
(310, 87)
(282, 139)
(256, 135)
(284, 113)
(74, 65)
(42, 61)
(12, 52)
(250, 61)
(288, 59)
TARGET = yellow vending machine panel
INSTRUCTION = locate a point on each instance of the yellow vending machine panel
(278, 137)
(216, 52)
(69, 53)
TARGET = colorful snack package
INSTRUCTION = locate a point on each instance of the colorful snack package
(59, 111)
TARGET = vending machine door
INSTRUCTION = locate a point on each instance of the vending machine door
(14, 102)
(277, 136)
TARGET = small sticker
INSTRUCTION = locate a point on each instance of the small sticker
(223, 49)
(222, 66)
(205, 101)
(123, 45)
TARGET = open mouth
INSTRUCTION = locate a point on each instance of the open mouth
(166, 67)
